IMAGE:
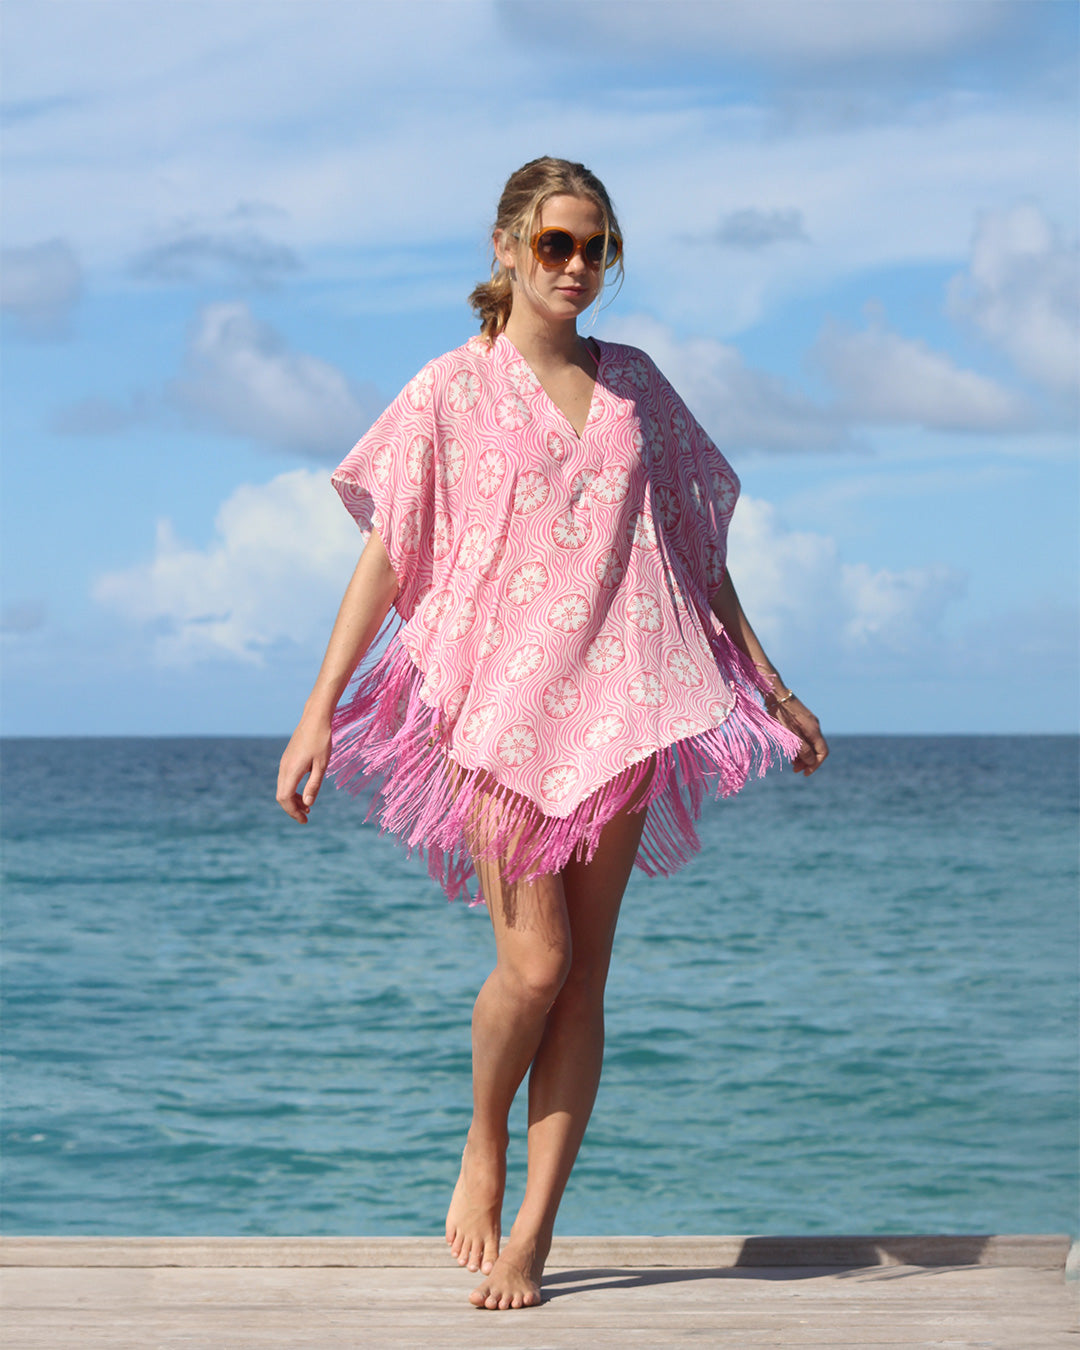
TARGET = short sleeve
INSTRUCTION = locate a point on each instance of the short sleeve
(386, 482)
(695, 489)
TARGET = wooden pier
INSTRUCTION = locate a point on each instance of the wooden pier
(328, 1293)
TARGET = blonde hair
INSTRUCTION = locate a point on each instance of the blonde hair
(520, 205)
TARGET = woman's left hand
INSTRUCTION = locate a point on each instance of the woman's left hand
(797, 717)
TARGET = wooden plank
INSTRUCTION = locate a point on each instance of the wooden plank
(231, 1307)
(1035, 1251)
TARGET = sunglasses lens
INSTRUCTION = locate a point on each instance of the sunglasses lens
(554, 246)
(595, 253)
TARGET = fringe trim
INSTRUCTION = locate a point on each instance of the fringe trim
(388, 735)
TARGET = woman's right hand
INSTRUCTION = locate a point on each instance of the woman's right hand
(308, 752)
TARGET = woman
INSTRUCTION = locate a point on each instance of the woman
(573, 671)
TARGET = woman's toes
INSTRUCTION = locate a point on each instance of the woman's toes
(487, 1261)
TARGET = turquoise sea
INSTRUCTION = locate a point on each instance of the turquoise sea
(854, 1012)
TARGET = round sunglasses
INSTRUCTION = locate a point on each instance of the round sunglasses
(555, 248)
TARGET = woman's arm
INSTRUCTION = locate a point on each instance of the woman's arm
(781, 702)
(366, 602)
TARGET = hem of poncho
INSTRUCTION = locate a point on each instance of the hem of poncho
(387, 736)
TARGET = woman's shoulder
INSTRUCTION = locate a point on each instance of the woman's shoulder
(426, 388)
(477, 351)
(632, 363)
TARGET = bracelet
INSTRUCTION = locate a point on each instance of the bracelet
(774, 675)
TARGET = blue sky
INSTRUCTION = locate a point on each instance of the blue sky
(232, 232)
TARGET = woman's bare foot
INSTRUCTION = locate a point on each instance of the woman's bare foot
(475, 1214)
(514, 1281)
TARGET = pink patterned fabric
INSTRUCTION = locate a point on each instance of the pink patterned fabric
(557, 653)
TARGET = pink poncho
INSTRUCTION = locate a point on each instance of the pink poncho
(557, 660)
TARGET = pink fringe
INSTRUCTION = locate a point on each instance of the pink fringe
(387, 734)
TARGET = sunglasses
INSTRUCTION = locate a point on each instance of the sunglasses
(555, 248)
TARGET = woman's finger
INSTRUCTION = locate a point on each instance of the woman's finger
(314, 782)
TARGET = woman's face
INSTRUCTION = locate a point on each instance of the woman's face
(568, 290)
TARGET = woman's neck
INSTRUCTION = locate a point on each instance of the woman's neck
(544, 344)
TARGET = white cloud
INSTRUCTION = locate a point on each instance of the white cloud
(807, 604)
(40, 285)
(280, 559)
(741, 408)
(882, 377)
(242, 377)
(1022, 291)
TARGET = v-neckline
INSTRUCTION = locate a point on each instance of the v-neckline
(599, 359)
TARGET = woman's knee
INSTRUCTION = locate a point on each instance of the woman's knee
(535, 977)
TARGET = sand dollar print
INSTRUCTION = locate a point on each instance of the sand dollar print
(644, 611)
(570, 613)
(530, 492)
(511, 412)
(604, 654)
(471, 545)
(668, 507)
(680, 728)
(719, 709)
(443, 536)
(609, 569)
(490, 471)
(558, 782)
(561, 698)
(556, 446)
(464, 619)
(418, 390)
(579, 488)
(517, 745)
(612, 485)
(526, 661)
(419, 458)
(382, 462)
(455, 702)
(727, 494)
(526, 582)
(685, 669)
(436, 608)
(464, 390)
(638, 372)
(570, 531)
(641, 531)
(410, 532)
(450, 463)
(697, 495)
(478, 722)
(647, 691)
(603, 731)
(714, 566)
(522, 378)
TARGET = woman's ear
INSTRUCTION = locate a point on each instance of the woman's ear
(505, 246)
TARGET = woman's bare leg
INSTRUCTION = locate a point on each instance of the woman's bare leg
(533, 943)
(566, 1063)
